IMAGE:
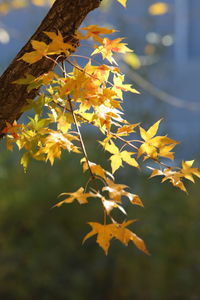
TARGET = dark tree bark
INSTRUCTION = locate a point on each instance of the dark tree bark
(65, 16)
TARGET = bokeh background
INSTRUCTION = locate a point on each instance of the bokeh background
(41, 251)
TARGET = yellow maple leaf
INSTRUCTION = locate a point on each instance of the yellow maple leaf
(134, 199)
(79, 195)
(106, 116)
(116, 162)
(151, 132)
(154, 143)
(175, 177)
(109, 205)
(118, 157)
(126, 129)
(122, 2)
(46, 78)
(64, 122)
(54, 143)
(188, 171)
(57, 44)
(96, 169)
(40, 50)
(116, 191)
(105, 233)
(165, 151)
(120, 87)
(126, 156)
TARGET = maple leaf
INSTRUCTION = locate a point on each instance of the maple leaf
(64, 122)
(105, 116)
(105, 233)
(152, 144)
(126, 157)
(109, 205)
(120, 87)
(134, 199)
(53, 144)
(46, 78)
(58, 45)
(84, 88)
(126, 129)
(116, 191)
(122, 2)
(118, 157)
(110, 46)
(187, 171)
(175, 177)
(96, 169)
(79, 195)
(165, 151)
(40, 50)
(94, 31)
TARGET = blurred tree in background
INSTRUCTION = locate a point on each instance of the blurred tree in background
(40, 248)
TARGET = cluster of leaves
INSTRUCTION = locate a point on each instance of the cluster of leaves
(92, 94)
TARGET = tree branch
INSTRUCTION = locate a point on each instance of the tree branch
(65, 16)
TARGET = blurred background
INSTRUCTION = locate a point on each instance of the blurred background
(41, 252)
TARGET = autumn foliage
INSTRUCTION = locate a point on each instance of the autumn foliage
(92, 94)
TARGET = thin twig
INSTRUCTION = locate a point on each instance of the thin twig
(80, 138)
(124, 141)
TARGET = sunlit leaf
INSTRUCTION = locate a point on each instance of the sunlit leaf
(105, 233)
(79, 195)
(123, 2)
(188, 171)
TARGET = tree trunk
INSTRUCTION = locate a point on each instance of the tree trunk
(65, 16)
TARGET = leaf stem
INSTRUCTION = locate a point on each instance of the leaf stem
(80, 138)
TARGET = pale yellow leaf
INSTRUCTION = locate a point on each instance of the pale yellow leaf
(126, 156)
(116, 162)
(122, 2)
